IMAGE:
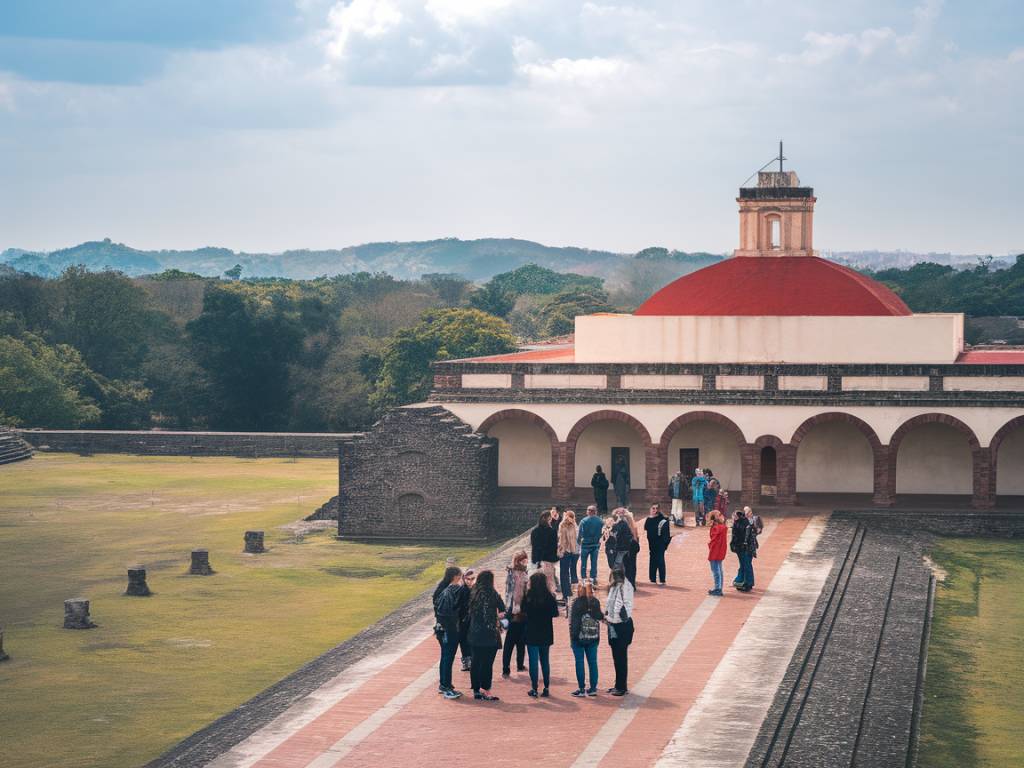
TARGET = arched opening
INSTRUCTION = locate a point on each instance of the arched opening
(775, 233)
(708, 445)
(1009, 459)
(605, 442)
(934, 458)
(769, 472)
(835, 457)
(525, 452)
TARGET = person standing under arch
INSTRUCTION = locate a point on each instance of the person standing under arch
(599, 482)
(676, 492)
(697, 489)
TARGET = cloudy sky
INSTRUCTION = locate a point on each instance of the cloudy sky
(273, 124)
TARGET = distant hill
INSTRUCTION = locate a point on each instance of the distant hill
(473, 259)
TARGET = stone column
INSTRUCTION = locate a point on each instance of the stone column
(984, 479)
(254, 542)
(76, 614)
(137, 586)
(200, 563)
(785, 458)
(750, 474)
(656, 473)
(884, 492)
(563, 472)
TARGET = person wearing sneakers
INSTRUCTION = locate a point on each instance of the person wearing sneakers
(716, 551)
(620, 628)
(446, 627)
(676, 492)
(659, 536)
(540, 607)
(486, 609)
(584, 635)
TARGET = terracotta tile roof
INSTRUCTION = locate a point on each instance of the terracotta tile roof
(992, 356)
(782, 285)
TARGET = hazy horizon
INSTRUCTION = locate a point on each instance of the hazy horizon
(272, 125)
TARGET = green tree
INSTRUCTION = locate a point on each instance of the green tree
(444, 334)
(38, 384)
(234, 273)
(493, 299)
(245, 339)
(450, 288)
(104, 316)
(557, 315)
(531, 279)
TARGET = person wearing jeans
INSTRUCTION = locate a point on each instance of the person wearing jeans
(740, 544)
(446, 628)
(716, 551)
(540, 608)
(568, 552)
(589, 538)
(620, 628)
(584, 636)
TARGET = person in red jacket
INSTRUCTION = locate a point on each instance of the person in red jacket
(716, 550)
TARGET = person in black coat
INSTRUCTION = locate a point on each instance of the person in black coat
(599, 482)
(740, 544)
(468, 580)
(446, 627)
(486, 609)
(540, 607)
(659, 536)
(544, 548)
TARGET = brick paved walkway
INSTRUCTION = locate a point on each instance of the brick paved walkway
(385, 711)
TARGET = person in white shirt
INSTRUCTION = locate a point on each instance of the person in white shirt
(619, 616)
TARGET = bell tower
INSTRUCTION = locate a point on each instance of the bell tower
(776, 216)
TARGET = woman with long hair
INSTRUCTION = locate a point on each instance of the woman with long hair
(540, 608)
(515, 591)
(716, 551)
(632, 547)
(608, 538)
(584, 636)
(468, 581)
(620, 628)
(568, 552)
(446, 627)
(544, 547)
(486, 609)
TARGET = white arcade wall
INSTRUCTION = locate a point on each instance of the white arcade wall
(594, 447)
(934, 458)
(718, 451)
(1010, 469)
(835, 458)
(524, 454)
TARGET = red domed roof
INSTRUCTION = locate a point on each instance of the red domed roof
(774, 285)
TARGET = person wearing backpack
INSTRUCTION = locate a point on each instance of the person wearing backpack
(659, 536)
(446, 627)
(584, 635)
(486, 609)
(620, 628)
(740, 542)
(540, 607)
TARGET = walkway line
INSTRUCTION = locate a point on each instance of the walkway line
(752, 669)
(620, 720)
(340, 749)
(307, 709)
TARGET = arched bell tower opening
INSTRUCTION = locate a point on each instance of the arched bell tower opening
(776, 216)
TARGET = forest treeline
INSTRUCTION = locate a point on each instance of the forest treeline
(176, 350)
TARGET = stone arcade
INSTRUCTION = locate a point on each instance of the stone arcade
(787, 374)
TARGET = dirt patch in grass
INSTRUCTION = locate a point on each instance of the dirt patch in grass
(973, 715)
(159, 668)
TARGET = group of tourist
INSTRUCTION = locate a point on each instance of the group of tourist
(703, 489)
(471, 615)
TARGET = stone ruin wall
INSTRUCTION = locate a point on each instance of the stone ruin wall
(420, 474)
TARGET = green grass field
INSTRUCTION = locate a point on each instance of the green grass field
(973, 714)
(158, 668)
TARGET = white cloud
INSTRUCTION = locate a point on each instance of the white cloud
(370, 19)
(574, 71)
(1016, 55)
(450, 14)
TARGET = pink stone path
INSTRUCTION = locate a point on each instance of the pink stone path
(395, 717)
